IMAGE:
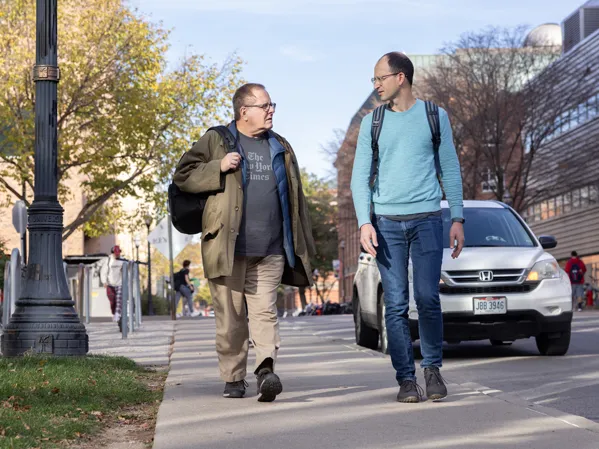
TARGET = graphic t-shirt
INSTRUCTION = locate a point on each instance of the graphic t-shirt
(261, 231)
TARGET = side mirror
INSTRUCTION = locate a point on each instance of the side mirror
(548, 241)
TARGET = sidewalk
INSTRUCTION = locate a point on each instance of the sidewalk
(150, 345)
(338, 396)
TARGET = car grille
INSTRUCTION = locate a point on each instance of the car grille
(487, 290)
(473, 276)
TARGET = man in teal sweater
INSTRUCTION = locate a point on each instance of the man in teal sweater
(406, 219)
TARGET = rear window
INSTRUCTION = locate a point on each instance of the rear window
(489, 227)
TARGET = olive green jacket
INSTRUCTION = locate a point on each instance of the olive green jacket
(199, 171)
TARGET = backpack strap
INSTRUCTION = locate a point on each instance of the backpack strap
(375, 131)
(432, 114)
(228, 138)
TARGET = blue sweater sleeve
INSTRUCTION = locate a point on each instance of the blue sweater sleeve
(451, 174)
(360, 188)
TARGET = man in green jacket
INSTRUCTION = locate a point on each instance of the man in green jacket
(256, 233)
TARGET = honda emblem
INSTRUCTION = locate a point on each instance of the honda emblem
(485, 276)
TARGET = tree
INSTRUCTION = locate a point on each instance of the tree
(124, 120)
(322, 207)
(504, 102)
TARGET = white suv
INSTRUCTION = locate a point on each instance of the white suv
(503, 287)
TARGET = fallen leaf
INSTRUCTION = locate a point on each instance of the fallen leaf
(77, 434)
(55, 390)
(96, 413)
(26, 426)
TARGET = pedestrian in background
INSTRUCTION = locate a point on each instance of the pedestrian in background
(111, 276)
(576, 270)
(184, 287)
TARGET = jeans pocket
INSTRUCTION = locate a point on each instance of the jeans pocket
(430, 235)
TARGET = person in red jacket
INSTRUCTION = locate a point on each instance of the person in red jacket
(576, 270)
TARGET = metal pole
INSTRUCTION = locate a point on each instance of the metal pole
(45, 320)
(24, 234)
(88, 294)
(131, 297)
(125, 299)
(150, 305)
(172, 270)
(137, 297)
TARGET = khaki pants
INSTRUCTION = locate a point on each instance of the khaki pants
(254, 280)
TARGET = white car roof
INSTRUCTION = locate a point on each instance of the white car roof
(477, 203)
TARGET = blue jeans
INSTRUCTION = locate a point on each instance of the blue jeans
(184, 291)
(422, 240)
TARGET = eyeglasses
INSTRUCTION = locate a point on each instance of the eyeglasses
(380, 79)
(265, 107)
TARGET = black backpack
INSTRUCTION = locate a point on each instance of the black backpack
(432, 114)
(187, 208)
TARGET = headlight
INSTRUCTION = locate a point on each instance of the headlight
(544, 269)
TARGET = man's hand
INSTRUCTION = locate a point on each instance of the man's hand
(368, 239)
(456, 234)
(230, 162)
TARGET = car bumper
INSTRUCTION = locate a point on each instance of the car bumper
(512, 326)
(547, 308)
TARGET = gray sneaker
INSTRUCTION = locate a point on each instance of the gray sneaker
(235, 390)
(435, 384)
(269, 385)
(409, 391)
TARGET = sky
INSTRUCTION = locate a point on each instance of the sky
(316, 57)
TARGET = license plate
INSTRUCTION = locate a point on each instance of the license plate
(490, 305)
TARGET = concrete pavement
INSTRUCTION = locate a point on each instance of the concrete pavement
(150, 345)
(339, 396)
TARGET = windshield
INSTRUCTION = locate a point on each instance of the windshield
(489, 227)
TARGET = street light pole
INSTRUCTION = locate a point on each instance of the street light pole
(45, 320)
(148, 221)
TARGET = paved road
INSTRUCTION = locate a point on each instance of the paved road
(569, 383)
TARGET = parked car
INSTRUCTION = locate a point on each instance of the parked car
(503, 287)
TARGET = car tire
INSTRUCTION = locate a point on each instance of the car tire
(500, 342)
(382, 324)
(366, 336)
(553, 345)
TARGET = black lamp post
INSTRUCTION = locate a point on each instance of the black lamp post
(45, 320)
(148, 221)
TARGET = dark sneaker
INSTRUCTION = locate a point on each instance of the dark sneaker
(435, 384)
(269, 386)
(409, 391)
(235, 390)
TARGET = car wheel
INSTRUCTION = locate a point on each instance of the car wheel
(365, 335)
(500, 342)
(382, 324)
(548, 344)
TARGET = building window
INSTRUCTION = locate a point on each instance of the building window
(576, 199)
(559, 205)
(551, 208)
